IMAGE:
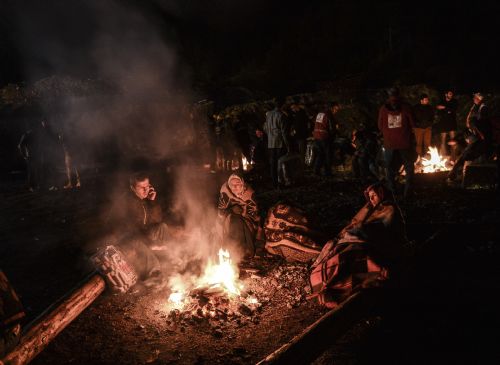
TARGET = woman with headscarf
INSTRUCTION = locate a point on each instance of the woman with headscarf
(364, 253)
(238, 220)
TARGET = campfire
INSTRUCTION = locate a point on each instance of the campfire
(247, 165)
(220, 279)
(218, 295)
(219, 298)
(435, 163)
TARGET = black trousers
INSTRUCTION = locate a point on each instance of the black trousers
(274, 155)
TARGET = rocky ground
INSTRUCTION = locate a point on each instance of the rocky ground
(446, 311)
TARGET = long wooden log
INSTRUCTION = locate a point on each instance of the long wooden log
(53, 320)
(306, 346)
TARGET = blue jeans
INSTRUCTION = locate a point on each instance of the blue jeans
(392, 167)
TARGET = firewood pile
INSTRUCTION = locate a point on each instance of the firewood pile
(285, 285)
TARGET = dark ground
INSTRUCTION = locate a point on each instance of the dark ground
(446, 312)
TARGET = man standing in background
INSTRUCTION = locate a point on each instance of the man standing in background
(424, 117)
(276, 131)
(395, 121)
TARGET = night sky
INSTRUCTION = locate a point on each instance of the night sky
(274, 46)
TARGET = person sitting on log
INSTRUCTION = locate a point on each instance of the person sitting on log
(238, 220)
(364, 253)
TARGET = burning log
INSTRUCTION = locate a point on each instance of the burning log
(216, 306)
(51, 322)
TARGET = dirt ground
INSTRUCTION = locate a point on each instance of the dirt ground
(446, 310)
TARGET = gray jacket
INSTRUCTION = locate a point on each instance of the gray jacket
(275, 129)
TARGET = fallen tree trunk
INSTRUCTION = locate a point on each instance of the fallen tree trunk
(52, 321)
(308, 345)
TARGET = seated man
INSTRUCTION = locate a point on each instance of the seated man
(364, 253)
(137, 228)
(238, 216)
(141, 214)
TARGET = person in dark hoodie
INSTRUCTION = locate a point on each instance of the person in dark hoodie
(395, 121)
(424, 117)
(446, 124)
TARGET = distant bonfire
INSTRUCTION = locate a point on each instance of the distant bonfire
(435, 163)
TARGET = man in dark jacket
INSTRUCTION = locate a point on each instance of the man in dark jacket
(142, 213)
(40, 146)
(138, 228)
(395, 121)
(447, 121)
(424, 117)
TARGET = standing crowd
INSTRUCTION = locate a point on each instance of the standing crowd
(293, 137)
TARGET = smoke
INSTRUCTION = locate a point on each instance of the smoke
(110, 82)
(139, 102)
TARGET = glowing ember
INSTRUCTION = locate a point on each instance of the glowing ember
(435, 163)
(176, 299)
(252, 300)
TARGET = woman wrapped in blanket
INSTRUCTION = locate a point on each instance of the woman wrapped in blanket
(238, 220)
(364, 253)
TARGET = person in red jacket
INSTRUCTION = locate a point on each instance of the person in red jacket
(395, 121)
(323, 133)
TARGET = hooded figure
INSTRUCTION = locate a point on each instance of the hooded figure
(365, 252)
(238, 220)
(378, 221)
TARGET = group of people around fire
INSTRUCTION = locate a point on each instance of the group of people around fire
(294, 136)
(367, 252)
(377, 229)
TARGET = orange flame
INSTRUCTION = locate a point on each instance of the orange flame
(435, 163)
(223, 276)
